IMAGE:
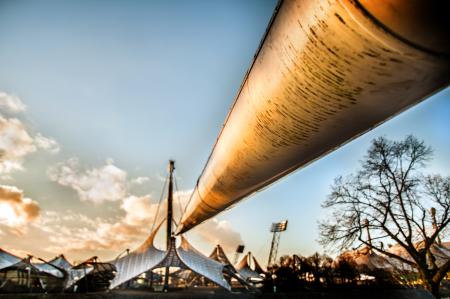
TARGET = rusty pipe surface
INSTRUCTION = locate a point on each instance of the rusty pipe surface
(325, 73)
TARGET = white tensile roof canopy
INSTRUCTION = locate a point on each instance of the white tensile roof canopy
(244, 269)
(8, 260)
(147, 257)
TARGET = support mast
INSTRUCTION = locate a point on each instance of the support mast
(169, 220)
(169, 203)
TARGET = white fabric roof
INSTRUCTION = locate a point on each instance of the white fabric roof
(245, 270)
(7, 259)
(147, 257)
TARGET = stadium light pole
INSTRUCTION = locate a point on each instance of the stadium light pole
(239, 251)
(276, 229)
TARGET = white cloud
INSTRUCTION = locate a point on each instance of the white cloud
(138, 209)
(11, 103)
(106, 183)
(221, 232)
(16, 211)
(47, 143)
(75, 233)
(15, 144)
(212, 231)
(140, 180)
(69, 232)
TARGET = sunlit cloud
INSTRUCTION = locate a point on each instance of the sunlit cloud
(15, 144)
(138, 209)
(70, 232)
(106, 183)
(11, 103)
(17, 252)
(47, 143)
(214, 231)
(140, 180)
(16, 211)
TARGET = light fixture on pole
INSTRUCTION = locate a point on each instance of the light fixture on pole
(276, 229)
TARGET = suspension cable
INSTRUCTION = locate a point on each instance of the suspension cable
(189, 200)
(159, 203)
(178, 198)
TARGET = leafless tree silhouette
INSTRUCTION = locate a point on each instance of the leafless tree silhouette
(390, 200)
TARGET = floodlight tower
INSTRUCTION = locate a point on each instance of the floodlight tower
(276, 229)
(239, 251)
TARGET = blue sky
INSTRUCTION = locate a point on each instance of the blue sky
(142, 82)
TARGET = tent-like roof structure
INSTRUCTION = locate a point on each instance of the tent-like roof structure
(53, 277)
(441, 253)
(244, 269)
(61, 262)
(147, 257)
(50, 269)
(372, 260)
(10, 260)
(73, 274)
(366, 257)
(219, 255)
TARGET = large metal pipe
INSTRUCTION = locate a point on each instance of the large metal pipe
(326, 72)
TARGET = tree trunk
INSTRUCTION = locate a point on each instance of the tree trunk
(435, 290)
(432, 287)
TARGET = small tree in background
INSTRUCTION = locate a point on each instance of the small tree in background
(302, 268)
(346, 270)
(286, 276)
(393, 201)
(320, 267)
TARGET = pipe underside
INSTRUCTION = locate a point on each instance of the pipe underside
(326, 72)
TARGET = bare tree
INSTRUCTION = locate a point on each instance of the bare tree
(320, 266)
(390, 200)
(346, 270)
